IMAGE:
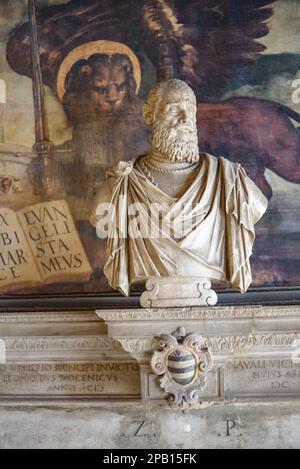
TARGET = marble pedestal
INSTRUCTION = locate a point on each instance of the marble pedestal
(162, 292)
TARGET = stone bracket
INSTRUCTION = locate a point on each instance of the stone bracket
(162, 292)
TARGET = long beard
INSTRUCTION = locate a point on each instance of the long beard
(173, 146)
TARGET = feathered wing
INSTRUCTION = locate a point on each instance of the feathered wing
(205, 42)
(63, 27)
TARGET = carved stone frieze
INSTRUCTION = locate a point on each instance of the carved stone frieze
(23, 344)
(235, 342)
(230, 343)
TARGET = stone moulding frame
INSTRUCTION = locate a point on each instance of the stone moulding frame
(260, 296)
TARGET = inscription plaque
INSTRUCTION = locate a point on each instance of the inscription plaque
(59, 379)
(262, 378)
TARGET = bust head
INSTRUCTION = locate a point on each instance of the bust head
(171, 111)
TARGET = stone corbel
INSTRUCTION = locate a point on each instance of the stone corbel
(233, 352)
(157, 345)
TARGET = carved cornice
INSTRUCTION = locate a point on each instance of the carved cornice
(232, 312)
(27, 318)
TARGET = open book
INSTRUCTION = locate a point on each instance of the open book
(40, 245)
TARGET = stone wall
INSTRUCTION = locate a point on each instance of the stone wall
(112, 426)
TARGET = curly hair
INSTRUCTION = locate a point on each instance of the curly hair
(158, 91)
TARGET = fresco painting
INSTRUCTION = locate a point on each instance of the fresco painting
(73, 80)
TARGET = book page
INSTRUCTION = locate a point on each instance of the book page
(55, 243)
(17, 265)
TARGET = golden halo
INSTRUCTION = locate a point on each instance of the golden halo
(85, 51)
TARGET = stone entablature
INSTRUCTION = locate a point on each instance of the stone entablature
(83, 356)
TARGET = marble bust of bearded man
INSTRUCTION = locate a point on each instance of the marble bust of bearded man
(176, 212)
